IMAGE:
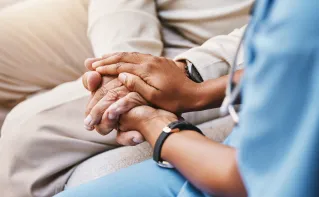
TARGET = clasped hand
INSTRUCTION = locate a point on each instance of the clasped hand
(121, 82)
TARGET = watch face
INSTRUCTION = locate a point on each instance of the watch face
(195, 75)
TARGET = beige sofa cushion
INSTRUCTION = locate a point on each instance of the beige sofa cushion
(5, 3)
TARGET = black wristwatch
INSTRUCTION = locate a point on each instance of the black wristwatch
(173, 127)
(193, 73)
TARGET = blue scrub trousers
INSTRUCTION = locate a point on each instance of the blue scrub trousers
(145, 179)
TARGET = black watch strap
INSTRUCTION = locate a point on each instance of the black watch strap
(173, 127)
(193, 73)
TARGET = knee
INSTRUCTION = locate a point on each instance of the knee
(19, 130)
(16, 144)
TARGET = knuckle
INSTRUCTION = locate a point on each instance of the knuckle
(112, 95)
(121, 55)
(162, 59)
(126, 101)
(136, 99)
(153, 64)
(136, 55)
(131, 84)
(101, 92)
(154, 59)
(134, 96)
(117, 83)
(118, 66)
(122, 92)
(146, 67)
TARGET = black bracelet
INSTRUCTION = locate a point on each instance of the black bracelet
(173, 127)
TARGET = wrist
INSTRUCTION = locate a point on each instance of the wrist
(193, 97)
(152, 129)
(210, 94)
(181, 64)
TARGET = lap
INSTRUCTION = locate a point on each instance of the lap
(143, 179)
(47, 131)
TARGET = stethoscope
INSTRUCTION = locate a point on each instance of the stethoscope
(233, 90)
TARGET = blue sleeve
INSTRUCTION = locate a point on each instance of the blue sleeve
(279, 122)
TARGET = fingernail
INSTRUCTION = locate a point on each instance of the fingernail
(88, 121)
(111, 116)
(137, 141)
(122, 77)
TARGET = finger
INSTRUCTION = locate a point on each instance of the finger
(106, 125)
(115, 69)
(98, 110)
(89, 61)
(107, 84)
(105, 129)
(129, 138)
(125, 104)
(134, 58)
(109, 55)
(91, 80)
(136, 84)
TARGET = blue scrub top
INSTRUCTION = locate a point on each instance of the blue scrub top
(278, 135)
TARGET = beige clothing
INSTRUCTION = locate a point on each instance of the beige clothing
(43, 45)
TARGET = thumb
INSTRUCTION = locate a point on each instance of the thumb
(91, 80)
(136, 84)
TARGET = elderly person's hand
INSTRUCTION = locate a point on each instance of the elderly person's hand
(105, 91)
(159, 80)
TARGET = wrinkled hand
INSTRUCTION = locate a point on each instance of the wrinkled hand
(159, 80)
(105, 91)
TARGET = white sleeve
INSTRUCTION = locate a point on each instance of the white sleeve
(214, 58)
(124, 25)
